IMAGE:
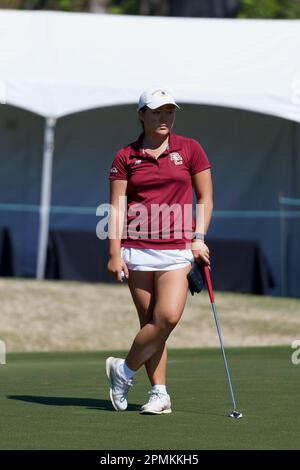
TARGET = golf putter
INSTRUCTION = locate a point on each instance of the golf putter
(234, 413)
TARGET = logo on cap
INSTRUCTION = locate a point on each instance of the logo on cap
(161, 92)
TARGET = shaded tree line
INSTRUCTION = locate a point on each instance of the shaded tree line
(277, 9)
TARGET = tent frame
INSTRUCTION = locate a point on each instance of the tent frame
(46, 190)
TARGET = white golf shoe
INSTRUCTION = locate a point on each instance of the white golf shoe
(159, 403)
(119, 385)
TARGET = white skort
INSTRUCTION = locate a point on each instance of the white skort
(144, 259)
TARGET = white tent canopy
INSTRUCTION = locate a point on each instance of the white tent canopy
(55, 64)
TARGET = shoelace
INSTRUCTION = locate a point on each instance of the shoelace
(155, 395)
(122, 390)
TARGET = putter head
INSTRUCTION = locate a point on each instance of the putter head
(235, 414)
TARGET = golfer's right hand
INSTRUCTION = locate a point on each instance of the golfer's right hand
(116, 265)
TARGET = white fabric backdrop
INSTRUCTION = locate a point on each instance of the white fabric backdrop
(55, 63)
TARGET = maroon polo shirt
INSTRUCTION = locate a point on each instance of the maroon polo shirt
(159, 192)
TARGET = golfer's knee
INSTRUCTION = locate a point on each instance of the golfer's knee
(166, 322)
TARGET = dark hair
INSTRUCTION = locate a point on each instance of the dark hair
(143, 109)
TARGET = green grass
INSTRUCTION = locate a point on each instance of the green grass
(60, 401)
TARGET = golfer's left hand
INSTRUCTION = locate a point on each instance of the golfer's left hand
(200, 252)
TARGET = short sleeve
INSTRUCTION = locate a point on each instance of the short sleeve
(118, 170)
(198, 158)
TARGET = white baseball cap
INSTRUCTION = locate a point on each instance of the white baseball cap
(156, 97)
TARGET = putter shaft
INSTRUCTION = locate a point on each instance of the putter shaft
(224, 355)
(212, 300)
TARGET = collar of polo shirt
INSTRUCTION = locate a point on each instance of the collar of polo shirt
(137, 147)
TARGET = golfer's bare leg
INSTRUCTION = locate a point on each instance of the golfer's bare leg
(141, 285)
(156, 366)
(170, 293)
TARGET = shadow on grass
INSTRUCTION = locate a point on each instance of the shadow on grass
(89, 403)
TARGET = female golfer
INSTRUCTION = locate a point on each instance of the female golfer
(156, 239)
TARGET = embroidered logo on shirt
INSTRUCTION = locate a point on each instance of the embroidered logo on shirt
(137, 162)
(114, 170)
(176, 158)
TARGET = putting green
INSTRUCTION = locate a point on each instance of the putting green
(61, 401)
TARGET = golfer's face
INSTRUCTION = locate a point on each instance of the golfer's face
(159, 120)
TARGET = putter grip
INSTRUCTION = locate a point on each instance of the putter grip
(209, 284)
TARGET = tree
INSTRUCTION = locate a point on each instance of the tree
(123, 7)
(65, 5)
(277, 9)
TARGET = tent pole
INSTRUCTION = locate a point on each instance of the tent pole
(45, 195)
(283, 254)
